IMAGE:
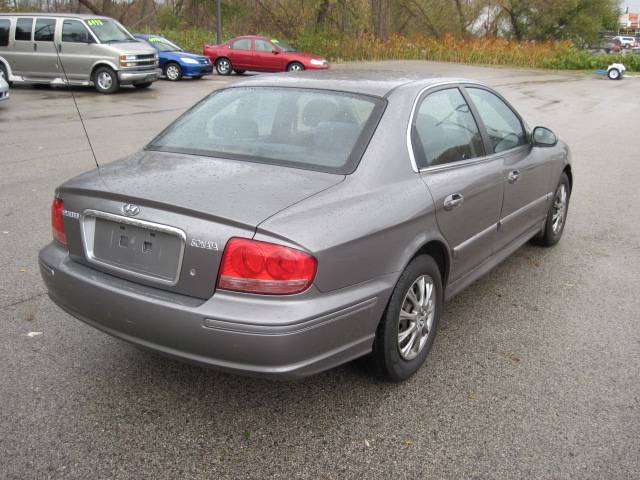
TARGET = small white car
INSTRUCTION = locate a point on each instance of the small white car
(626, 42)
(615, 71)
(4, 88)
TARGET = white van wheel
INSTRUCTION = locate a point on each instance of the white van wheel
(105, 80)
(613, 74)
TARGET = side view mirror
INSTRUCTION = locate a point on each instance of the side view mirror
(274, 51)
(543, 137)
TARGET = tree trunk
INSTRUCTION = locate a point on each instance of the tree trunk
(381, 18)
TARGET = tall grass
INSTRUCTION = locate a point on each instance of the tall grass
(471, 50)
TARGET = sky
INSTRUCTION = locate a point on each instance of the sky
(634, 5)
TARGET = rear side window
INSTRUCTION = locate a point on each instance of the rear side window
(503, 125)
(23, 29)
(74, 31)
(45, 28)
(445, 130)
(303, 128)
(4, 32)
(242, 44)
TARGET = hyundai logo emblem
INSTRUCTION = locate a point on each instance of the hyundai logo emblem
(130, 210)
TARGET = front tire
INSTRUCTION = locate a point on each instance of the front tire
(408, 326)
(223, 66)
(614, 74)
(106, 80)
(295, 67)
(173, 72)
(556, 216)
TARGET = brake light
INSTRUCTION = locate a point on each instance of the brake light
(57, 221)
(259, 267)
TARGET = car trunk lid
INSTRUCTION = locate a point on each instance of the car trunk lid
(163, 219)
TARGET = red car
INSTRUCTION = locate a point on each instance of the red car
(260, 54)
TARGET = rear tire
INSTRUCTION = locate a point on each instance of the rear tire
(105, 80)
(4, 74)
(173, 72)
(408, 326)
(223, 66)
(142, 85)
(556, 216)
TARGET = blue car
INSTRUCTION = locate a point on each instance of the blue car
(175, 62)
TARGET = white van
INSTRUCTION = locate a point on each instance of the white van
(90, 50)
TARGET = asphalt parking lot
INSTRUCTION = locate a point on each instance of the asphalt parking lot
(535, 372)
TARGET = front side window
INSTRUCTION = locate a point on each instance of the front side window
(302, 128)
(242, 44)
(74, 31)
(109, 31)
(284, 46)
(23, 29)
(503, 126)
(445, 130)
(264, 46)
(45, 28)
(4, 32)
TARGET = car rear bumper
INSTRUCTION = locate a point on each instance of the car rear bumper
(140, 76)
(251, 334)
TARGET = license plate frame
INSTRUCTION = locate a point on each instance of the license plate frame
(88, 231)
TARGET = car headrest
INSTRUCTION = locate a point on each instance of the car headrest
(234, 126)
(317, 111)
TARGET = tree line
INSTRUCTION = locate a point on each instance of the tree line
(577, 20)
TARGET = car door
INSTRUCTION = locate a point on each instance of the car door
(44, 61)
(241, 54)
(526, 174)
(465, 184)
(76, 48)
(21, 58)
(267, 56)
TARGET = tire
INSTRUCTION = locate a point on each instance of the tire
(614, 74)
(105, 80)
(173, 72)
(4, 74)
(239, 72)
(295, 67)
(142, 85)
(552, 231)
(393, 364)
(223, 66)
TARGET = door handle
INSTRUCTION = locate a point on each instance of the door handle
(35, 47)
(453, 200)
(513, 176)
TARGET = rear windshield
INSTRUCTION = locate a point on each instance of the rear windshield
(304, 128)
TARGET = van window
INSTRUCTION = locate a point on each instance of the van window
(45, 28)
(74, 31)
(23, 29)
(4, 32)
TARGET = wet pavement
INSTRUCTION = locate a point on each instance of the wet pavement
(534, 373)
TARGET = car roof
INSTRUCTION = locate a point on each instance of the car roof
(377, 83)
(83, 16)
(252, 37)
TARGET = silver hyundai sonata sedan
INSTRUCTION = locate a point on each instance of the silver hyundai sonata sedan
(290, 223)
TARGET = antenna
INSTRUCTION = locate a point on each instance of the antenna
(66, 79)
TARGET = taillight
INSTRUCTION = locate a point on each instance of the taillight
(259, 267)
(57, 221)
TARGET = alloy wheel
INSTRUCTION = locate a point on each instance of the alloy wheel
(417, 314)
(173, 72)
(559, 209)
(223, 66)
(105, 80)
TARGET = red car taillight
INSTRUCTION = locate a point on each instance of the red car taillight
(57, 221)
(258, 267)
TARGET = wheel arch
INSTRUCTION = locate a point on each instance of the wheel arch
(102, 63)
(7, 67)
(291, 62)
(567, 170)
(438, 250)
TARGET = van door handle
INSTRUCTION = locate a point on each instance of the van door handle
(452, 201)
(513, 176)
(35, 47)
